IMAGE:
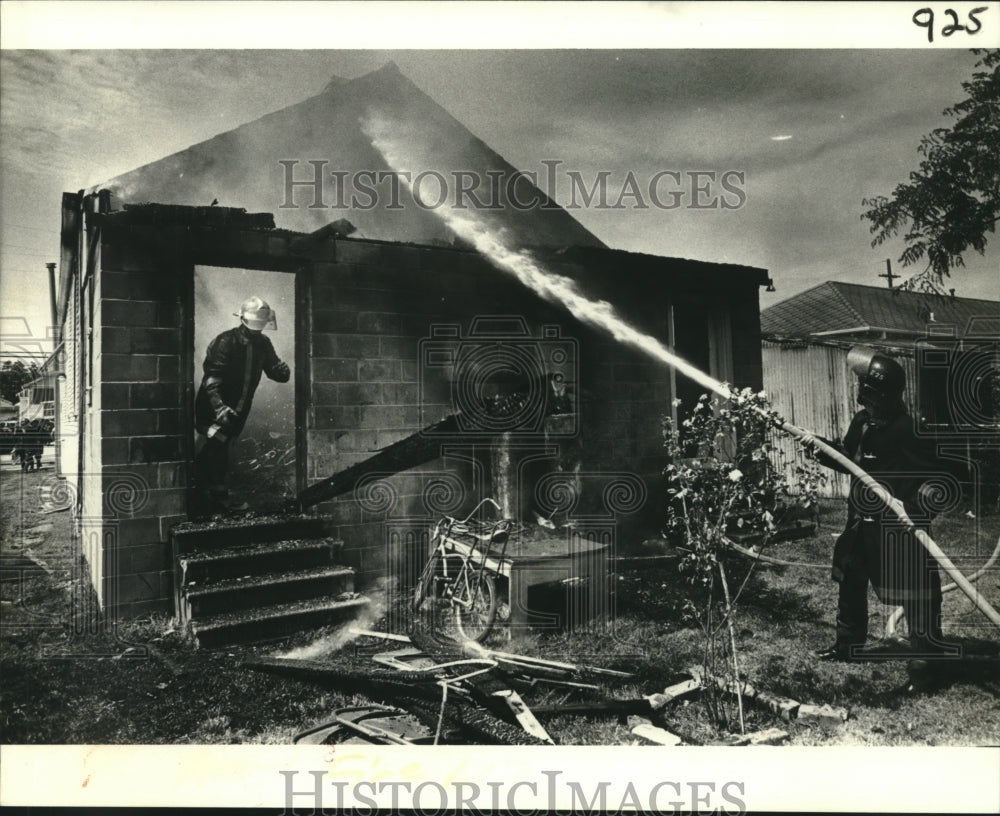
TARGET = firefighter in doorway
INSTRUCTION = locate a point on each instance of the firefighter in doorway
(232, 369)
(875, 546)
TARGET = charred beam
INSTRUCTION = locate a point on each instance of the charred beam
(423, 446)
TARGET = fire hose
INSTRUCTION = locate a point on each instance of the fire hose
(757, 555)
(877, 490)
(897, 613)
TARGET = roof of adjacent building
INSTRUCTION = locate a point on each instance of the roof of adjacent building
(834, 308)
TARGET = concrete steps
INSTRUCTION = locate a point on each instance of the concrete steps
(259, 579)
(255, 591)
(258, 559)
(273, 622)
(200, 537)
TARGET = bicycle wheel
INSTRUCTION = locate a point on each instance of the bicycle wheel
(475, 602)
(433, 597)
(425, 582)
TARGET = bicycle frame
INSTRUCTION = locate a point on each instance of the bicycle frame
(460, 585)
(480, 538)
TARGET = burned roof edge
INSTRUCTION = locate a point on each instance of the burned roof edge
(152, 214)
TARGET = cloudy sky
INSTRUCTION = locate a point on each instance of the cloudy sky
(814, 132)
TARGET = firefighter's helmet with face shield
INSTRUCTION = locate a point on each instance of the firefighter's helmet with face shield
(881, 379)
(256, 315)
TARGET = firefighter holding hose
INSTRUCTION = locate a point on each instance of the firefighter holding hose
(232, 369)
(875, 545)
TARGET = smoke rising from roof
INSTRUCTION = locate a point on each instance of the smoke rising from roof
(243, 167)
(552, 287)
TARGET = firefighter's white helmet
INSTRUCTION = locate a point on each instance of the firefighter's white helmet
(256, 315)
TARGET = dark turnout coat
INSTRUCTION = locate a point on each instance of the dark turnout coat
(874, 539)
(232, 370)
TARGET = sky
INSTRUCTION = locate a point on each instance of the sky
(814, 132)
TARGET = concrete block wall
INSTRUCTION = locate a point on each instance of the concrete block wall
(368, 312)
(372, 303)
(143, 472)
(623, 421)
(631, 393)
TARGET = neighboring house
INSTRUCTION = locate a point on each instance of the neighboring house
(37, 399)
(947, 345)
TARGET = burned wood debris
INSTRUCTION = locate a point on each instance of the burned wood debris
(435, 690)
(375, 724)
(460, 693)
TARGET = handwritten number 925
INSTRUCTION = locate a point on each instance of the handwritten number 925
(925, 19)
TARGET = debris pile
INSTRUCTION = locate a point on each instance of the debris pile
(464, 692)
(433, 690)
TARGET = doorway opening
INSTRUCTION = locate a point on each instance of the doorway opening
(701, 335)
(260, 467)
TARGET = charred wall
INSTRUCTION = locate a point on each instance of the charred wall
(374, 312)
(139, 411)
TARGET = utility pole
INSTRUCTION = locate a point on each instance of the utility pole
(888, 273)
(54, 311)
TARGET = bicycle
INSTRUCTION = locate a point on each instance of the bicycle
(460, 574)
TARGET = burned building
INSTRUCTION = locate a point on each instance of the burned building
(388, 338)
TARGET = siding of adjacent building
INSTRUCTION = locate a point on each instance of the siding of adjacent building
(810, 385)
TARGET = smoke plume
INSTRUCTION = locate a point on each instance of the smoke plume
(549, 285)
(343, 636)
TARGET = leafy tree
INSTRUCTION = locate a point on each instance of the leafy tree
(953, 200)
(727, 478)
(14, 376)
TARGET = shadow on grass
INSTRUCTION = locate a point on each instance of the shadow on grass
(779, 604)
(660, 595)
(652, 594)
(887, 685)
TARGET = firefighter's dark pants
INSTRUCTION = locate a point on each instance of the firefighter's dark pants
(211, 465)
(921, 605)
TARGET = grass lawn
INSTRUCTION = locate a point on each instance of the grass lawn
(142, 683)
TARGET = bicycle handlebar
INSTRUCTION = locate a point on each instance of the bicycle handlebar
(483, 531)
(476, 509)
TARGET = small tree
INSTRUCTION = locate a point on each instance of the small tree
(953, 200)
(726, 477)
(14, 375)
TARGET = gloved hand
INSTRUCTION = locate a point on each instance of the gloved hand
(224, 414)
(282, 371)
(808, 441)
